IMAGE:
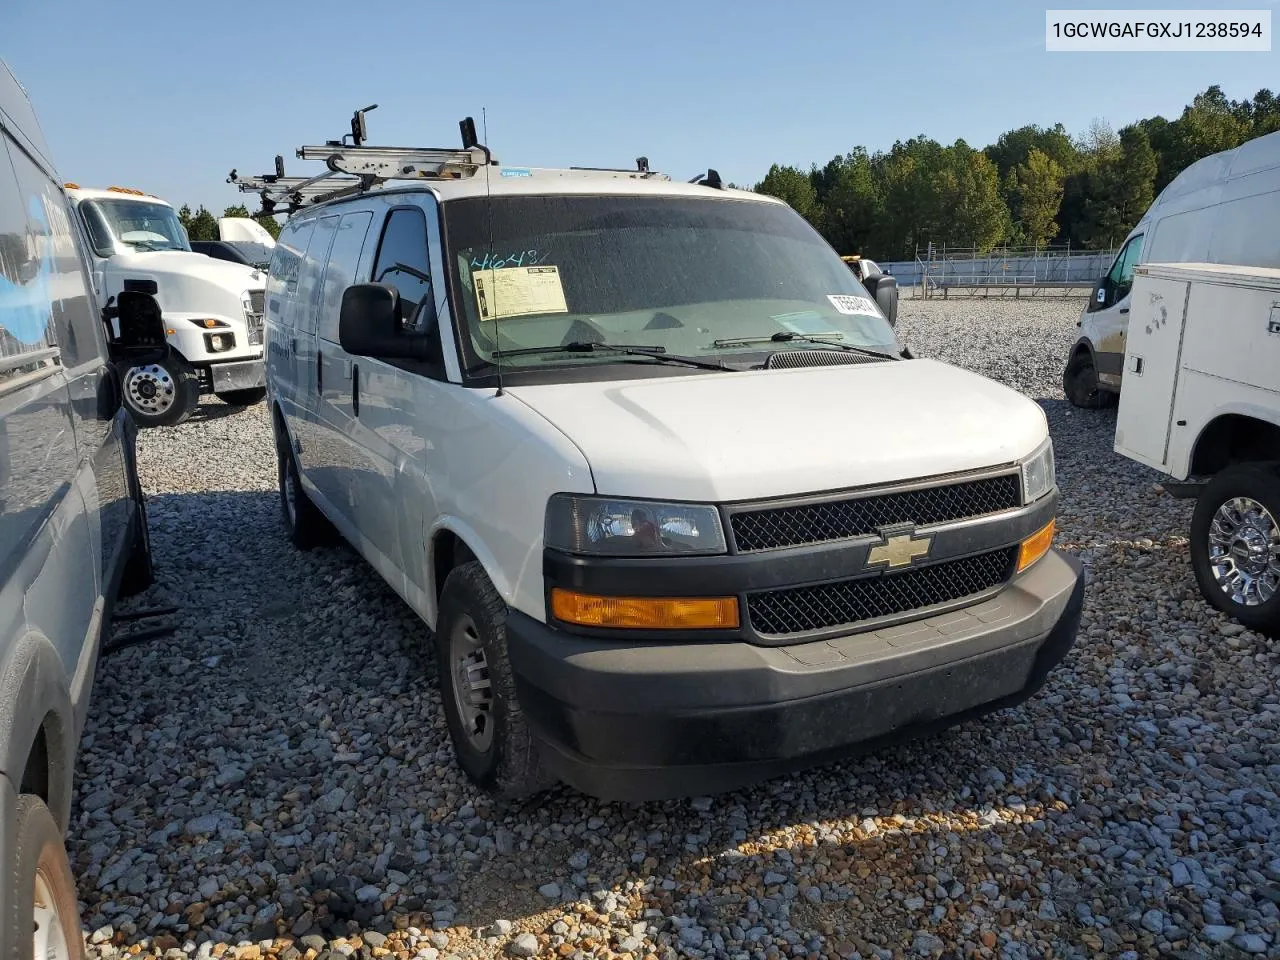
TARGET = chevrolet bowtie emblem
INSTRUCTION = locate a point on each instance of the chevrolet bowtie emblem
(899, 551)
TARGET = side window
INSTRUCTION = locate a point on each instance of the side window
(1122, 269)
(344, 258)
(311, 271)
(403, 263)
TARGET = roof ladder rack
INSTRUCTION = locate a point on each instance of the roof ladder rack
(354, 167)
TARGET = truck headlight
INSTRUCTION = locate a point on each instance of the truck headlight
(1038, 473)
(246, 302)
(604, 526)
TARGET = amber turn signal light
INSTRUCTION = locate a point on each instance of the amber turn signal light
(1035, 546)
(645, 613)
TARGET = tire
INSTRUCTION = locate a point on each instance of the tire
(139, 571)
(492, 741)
(160, 394)
(1236, 525)
(1080, 384)
(307, 527)
(243, 398)
(48, 912)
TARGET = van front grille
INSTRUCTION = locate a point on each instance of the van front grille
(819, 607)
(772, 529)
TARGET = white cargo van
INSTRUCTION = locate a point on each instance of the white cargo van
(1202, 404)
(213, 308)
(1222, 209)
(675, 508)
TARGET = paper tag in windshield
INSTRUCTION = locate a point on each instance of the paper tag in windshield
(519, 292)
(853, 305)
(805, 323)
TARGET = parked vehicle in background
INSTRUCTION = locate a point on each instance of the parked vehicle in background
(72, 523)
(1202, 404)
(665, 536)
(213, 308)
(882, 286)
(1222, 209)
(248, 253)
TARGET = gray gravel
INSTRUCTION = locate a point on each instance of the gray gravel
(276, 779)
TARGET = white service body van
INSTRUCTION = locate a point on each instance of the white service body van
(1222, 209)
(651, 465)
(1202, 405)
(213, 308)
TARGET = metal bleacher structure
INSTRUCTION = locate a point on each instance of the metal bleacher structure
(1048, 271)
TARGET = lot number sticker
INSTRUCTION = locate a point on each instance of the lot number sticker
(853, 305)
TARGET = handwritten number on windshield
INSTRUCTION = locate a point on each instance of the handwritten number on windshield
(522, 258)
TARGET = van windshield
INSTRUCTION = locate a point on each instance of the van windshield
(707, 277)
(134, 223)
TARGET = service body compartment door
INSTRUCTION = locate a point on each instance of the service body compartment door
(1151, 361)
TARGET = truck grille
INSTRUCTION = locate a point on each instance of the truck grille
(803, 609)
(257, 298)
(255, 329)
(861, 516)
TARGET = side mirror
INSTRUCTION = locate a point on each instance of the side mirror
(369, 325)
(884, 290)
(1101, 296)
(135, 326)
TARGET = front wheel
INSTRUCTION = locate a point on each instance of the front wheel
(47, 918)
(1235, 544)
(306, 525)
(492, 742)
(161, 394)
(243, 398)
(1080, 384)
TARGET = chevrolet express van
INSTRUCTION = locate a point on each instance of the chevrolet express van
(72, 524)
(1222, 209)
(675, 508)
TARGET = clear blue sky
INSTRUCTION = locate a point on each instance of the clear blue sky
(169, 95)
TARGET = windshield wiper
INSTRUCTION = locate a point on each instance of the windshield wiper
(627, 349)
(824, 339)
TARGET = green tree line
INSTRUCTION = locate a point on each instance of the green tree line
(1035, 185)
(203, 225)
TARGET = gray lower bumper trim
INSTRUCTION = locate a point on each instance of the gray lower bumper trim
(239, 375)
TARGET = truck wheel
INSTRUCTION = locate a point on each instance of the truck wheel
(490, 737)
(48, 917)
(161, 394)
(306, 525)
(243, 398)
(1235, 544)
(1080, 384)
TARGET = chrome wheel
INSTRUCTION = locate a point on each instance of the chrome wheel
(151, 389)
(472, 691)
(1244, 551)
(49, 939)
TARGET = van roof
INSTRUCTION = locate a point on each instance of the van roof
(1251, 156)
(509, 181)
(18, 119)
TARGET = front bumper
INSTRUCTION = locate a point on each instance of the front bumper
(654, 719)
(237, 375)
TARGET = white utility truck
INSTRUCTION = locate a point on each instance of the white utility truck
(1221, 209)
(212, 308)
(1202, 404)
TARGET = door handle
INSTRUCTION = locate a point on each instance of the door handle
(1124, 309)
(355, 389)
(319, 372)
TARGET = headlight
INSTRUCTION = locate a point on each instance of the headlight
(631, 528)
(1038, 475)
(246, 302)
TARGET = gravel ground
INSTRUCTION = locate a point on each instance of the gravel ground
(276, 779)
